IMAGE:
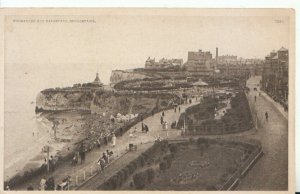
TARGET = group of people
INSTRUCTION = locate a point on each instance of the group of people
(145, 128)
(104, 159)
(175, 108)
(45, 184)
(163, 122)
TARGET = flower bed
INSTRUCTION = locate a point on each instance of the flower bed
(187, 165)
(236, 119)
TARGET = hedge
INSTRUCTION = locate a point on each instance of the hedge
(122, 175)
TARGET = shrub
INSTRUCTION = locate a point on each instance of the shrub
(168, 159)
(131, 184)
(141, 160)
(140, 180)
(151, 174)
(191, 140)
(163, 166)
(173, 148)
(126, 172)
(202, 141)
(121, 178)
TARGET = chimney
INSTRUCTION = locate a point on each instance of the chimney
(216, 56)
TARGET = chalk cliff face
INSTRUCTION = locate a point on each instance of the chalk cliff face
(58, 100)
(123, 75)
(100, 101)
(124, 104)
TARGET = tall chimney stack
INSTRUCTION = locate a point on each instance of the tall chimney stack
(217, 56)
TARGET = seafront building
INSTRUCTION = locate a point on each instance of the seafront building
(200, 62)
(275, 74)
(162, 63)
(227, 60)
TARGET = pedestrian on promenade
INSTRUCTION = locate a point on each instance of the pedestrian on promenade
(161, 120)
(179, 109)
(106, 140)
(267, 116)
(82, 153)
(121, 131)
(101, 163)
(50, 184)
(47, 185)
(52, 163)
(43, 184)
(82, 156)
(114, 139)
(255, 98)
(175, 109)
(98, 143)
(163, 113)
(105, 157)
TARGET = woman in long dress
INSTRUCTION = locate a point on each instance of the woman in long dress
(114, 139)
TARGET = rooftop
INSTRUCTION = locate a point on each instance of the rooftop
(283, 49)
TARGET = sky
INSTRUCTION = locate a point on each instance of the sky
(63, 53)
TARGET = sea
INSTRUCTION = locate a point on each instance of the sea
(25, 132)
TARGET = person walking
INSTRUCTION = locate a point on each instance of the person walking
(142, 118)
(80, 152)
(43, 184)
(179, 109)
(175, 109)
(101, 162)
(106, 140)
(83, 157)
(267, 116)
(161, 120)
(255, 98)
(121, 131)
(52, 163)
(163, 113)
(50, 184)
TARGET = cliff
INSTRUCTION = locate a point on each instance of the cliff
(63, 100)
(99, 101)
(123, 75)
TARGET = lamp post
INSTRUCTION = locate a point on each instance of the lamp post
(48, 163)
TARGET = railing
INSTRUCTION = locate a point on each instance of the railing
(80, 177)
(235, 177)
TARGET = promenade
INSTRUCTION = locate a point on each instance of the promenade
(271, 170)
(90, 168)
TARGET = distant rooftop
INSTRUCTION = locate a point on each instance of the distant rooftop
(283, 49)
(275, 57)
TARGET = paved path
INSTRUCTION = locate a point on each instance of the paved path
(271, 171)
(155, 130)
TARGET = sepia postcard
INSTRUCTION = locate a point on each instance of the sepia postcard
(148, 100)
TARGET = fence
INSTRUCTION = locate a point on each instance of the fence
(81, 176)
(235, 178)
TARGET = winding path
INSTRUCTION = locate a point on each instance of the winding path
(271, 171)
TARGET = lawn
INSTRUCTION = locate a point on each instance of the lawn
(191, 170)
